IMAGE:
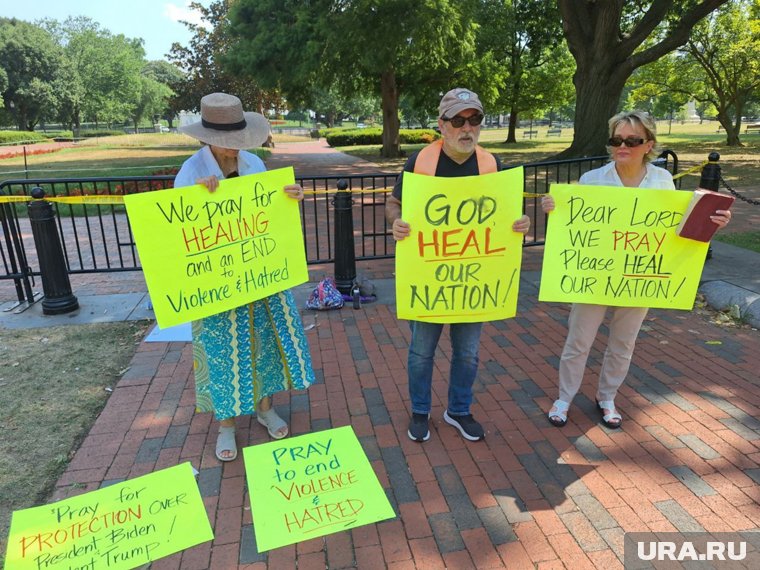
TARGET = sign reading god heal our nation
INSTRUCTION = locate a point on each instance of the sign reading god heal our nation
(123, 526)
(461, 262)
(312, 485)
(205, 253)
(617, 246)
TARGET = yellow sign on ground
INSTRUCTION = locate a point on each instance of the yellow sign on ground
(119, 527)
(461, 263)
(312, 485)
(617, 246)
(205, 253)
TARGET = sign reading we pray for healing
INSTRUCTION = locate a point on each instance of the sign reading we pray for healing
(126, 525)
(617, 246)
(461, 262)
(312, 485)
(205, 253)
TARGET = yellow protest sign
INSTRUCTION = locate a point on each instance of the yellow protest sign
(461, 263)
(312, 485)
(205, 253)
(617, 246)
(118, 527)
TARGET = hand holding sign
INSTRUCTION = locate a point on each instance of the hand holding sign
(461, 261)
(608, 247)
(205, 253)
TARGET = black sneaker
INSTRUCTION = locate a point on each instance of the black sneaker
(418, 427)
(467, 426)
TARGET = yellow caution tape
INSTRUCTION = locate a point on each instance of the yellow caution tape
(692, 170)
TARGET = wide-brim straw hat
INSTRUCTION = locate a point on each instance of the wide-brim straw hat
(224, 124)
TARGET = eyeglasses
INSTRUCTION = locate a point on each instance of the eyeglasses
(458, 121)
(630, 142)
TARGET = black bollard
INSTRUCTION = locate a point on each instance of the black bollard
(710, 178)
(56, 286)
(345, 261)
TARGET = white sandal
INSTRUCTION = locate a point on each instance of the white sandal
(225, 441)
(559, 418)
(608, 419)
(274, 423)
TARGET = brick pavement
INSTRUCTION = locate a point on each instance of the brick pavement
(530, 495)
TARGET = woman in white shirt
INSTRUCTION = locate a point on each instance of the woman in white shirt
(633, 137)
(243, 356)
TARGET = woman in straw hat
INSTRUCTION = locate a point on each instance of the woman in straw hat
(243, 356)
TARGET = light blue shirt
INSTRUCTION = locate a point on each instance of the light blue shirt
(203, 164)
(656, 177)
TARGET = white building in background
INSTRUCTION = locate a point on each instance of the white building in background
(691, 111)
(187, 118)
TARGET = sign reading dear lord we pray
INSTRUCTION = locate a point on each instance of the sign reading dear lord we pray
(312, 485)
(205, 253)
(461, 262)
(617, 246)
(123, 526)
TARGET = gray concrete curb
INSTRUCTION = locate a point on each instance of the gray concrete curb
(723, 296)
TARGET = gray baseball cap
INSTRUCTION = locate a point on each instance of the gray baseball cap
(456, 100)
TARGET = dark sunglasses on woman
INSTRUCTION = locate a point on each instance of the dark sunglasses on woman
(630, 142)
(458, 122)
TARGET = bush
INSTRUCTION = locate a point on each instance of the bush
(20, 137)
(92, 134)
(353, 137)
(58, 135)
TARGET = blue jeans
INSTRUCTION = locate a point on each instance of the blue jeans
(465, 343)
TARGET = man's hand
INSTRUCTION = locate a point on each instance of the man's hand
(522, 225)
(401, 229)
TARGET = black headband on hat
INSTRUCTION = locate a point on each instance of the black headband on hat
(239, 126)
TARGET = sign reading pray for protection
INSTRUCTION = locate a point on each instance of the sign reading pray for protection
(312, 485)
(461, 262)
(617, 246)
(123, 526)
(205, 253)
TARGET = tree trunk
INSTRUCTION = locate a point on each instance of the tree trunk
(732, 130)
(598, 83)
(391, 123)
(512, 127)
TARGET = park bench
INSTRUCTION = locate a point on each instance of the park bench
(754, 128)
(554, 133)
(530, 134)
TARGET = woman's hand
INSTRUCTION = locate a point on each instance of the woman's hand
(522, 225)
(721, 218)
(400, 229)
(547, 203)
(294, 191)
(210, 182)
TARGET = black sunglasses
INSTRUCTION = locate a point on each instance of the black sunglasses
(458, 122)
(630, 142)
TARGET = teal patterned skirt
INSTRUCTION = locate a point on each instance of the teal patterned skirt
(248, 353)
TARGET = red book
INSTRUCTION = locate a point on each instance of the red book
(696, 223)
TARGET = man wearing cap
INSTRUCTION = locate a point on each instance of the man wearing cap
(457, 153)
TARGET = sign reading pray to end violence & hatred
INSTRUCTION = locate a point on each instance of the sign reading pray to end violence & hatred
(617, 246)
(461, 262)
(205, 253)
(123, 526)
(312, 485)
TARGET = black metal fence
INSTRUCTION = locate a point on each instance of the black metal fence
(97, 238)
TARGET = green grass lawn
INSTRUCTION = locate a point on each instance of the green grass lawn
(747, 240)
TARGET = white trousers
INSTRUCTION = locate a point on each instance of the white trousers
(583, 325)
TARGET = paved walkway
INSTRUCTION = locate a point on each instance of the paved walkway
(530, 495)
